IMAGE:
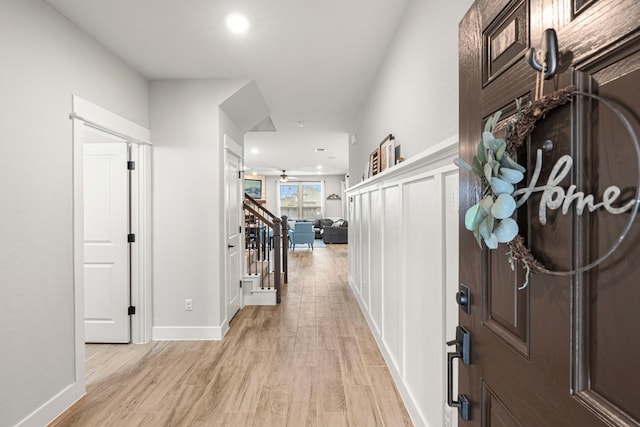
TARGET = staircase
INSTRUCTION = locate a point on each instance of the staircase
(265, 254)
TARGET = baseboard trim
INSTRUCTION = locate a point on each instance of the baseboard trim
(187, 333)
(54, 407)
(409, 401)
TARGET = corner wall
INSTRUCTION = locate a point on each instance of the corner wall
(188, 206)
(415, 94)
(45, 59)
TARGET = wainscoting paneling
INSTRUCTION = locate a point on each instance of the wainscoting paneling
(403, 252)
(376, 242)
(392, 275)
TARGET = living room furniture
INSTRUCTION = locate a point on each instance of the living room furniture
(319, 224)
(336, 233)
(302, 233)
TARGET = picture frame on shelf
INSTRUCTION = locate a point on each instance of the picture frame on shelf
(387, 152)
(374, 162)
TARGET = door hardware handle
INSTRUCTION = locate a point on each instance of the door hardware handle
(230, 246)
(463, 298)
(463, 351)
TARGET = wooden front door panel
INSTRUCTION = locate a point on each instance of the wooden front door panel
(565, 351)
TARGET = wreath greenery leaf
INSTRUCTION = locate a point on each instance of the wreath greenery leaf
(490, 220)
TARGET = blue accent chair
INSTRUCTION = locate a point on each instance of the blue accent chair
(302, 233)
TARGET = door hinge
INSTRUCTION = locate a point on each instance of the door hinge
(131, 165)
(239, 174)
(131, 238)
(132, 310)
(239, 229)
(241, 283)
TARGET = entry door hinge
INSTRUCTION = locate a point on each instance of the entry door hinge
(241, 283)
(239, 229)
(131, 238)
(131, 165)
(132, 310)
(239, 174)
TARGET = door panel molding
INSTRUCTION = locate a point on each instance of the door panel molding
(505, 40)
(494, 412)
(600, 379)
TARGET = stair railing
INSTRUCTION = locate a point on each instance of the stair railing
(264, 233)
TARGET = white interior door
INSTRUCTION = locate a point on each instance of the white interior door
(233, 206)
(106, 252)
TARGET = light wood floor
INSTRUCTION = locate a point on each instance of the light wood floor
(310, 361)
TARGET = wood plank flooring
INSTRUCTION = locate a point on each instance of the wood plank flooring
(311, 361)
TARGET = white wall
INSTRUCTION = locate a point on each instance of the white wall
(188, 199)
(415, 94)
(45, 60)
(333, 184)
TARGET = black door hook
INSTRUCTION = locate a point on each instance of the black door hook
(545, 58)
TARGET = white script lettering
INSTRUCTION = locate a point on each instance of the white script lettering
(553, 196)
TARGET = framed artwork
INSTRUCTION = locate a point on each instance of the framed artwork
(387, 152)
(374, 162)
(254, 186)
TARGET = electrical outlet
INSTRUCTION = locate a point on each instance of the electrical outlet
(188, 304)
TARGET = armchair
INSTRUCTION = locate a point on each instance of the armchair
(302, 233)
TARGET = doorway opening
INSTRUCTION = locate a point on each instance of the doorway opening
(112, 159)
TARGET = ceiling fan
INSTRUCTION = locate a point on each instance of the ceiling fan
(284, 177)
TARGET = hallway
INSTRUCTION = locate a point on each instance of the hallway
(309, 361)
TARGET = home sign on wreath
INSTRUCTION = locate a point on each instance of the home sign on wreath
(490, 219)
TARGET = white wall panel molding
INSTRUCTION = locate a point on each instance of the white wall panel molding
(403, 258)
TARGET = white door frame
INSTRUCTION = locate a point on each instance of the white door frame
(85, 113)
(233, 147)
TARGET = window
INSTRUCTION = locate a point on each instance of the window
(301, 200)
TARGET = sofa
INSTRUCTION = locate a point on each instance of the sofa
(338, 232)
(319, 224)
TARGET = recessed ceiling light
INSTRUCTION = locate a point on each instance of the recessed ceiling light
(237, 23)
(254, 151)
(300, 123)
(319, 167)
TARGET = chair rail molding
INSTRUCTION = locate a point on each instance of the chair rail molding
(403, 270)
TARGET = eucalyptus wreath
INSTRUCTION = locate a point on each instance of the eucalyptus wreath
(490, 220)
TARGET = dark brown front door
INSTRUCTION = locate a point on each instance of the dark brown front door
(565, 351)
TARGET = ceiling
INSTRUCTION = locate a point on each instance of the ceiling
(314, 62)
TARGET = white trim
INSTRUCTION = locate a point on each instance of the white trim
(141, 255)
(55, 406)
(95, 115)
(189, 333)
(398, 377)
(231, 147)
(442, 151)
(84, 111)
(73, 392)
